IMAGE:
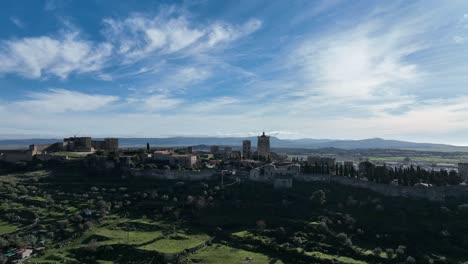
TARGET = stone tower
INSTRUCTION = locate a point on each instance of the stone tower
(246, 149)
(263, 147)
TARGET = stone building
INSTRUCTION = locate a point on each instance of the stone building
(86, 144)
(214, 149)
(329, 161)
(79, 144)
(164, 157)
(247, 149)
(263, 147)
(463, 171)
(280, 177)
(187, 161)
(235, 154)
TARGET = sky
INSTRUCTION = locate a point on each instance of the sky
(295, 69)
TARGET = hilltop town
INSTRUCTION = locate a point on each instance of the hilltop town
(256, 164)
(170, 205)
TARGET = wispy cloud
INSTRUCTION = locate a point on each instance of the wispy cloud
(155, 103)
(359, 62)
(18, 22)
(139, 35)
(61, 101)
(60, 56)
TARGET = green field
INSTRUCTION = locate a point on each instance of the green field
(176, 243)
(6, 228)
(217, 253)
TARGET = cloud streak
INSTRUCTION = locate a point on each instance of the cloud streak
(139, 36)
(38, 57)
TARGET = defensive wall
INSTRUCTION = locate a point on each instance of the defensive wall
(434, 193)
(170, 174)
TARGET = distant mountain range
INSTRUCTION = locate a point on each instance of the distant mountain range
(306, 143)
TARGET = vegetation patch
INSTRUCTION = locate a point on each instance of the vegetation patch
(6, 228)
(176, 243)
(340, 259)
(218, 253)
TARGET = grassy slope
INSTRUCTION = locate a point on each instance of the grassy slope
(223, 254)
(6, 228)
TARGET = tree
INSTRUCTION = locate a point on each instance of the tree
(318, 197)
(261, 224)
(31, 240)
(454, 178)
(377, 251)
(344, 240)
(3, 243)
(92, 246)
(390, 253)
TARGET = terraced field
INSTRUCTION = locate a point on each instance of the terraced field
(6, 228)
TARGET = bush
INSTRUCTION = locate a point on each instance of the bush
(318, 197)
(390, 253)
(377, 251)
(463, 209)
(400, 250)
(92, 246)
(344, 240)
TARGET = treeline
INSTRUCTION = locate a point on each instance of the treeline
(408, 176)
(383, 174)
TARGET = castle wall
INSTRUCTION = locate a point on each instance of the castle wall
(16, 155)
(434, 193)
(171, 174)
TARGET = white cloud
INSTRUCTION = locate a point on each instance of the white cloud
(135, 38)
(37, 57)
(458, 39)
(190, 74)
(219, 33)
(219, 105)
(160, 102)
(18, 22)
(61, 101)
(356, 63)
(139, 36)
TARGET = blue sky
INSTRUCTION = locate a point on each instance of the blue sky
(317, 69)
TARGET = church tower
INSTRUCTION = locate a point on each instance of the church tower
(263, 146)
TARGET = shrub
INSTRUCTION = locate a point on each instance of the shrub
(318, 197)
(463, 209)
(390, 252)
(92, 246)
(377, 251)
(261, 224)
(400, 250)
(344, 240)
